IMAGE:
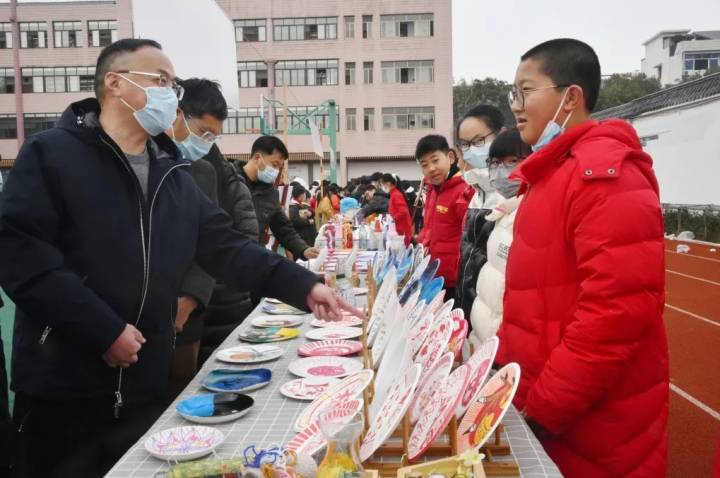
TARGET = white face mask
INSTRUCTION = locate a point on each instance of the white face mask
(476, 156)
(552, 129)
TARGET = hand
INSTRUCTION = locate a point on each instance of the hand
(326, 305)
(124, 351)
(186, 305)
(311, 253)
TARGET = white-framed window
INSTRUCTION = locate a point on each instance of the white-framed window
(322, 120)
(67, 34)
(368, 72)
(6, 35)
(350, 73)
(253, 30)
(411, 71)
(701, 62)
(367, 26)
(306, 72)
(350, 119)
(349, 22)
(58, 79)
(310, 28)
(414, 25)
(414, 117)
(242, 121)
(33, 34)
(252, 74)
(368, 119)
(102, 32)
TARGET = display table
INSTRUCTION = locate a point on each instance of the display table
(271, 420)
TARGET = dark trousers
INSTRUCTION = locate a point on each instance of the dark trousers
(75, 438)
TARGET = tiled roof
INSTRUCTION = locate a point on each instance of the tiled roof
(709, 34)
(690, 91)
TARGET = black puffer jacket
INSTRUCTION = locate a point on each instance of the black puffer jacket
(378, 204)
(473, 255)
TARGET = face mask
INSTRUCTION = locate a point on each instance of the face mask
(552, 130)
(476, 156)
(159, 111)
(479, 177)
(267, 175)
(386, 189)
(499, 180)
(193, 147)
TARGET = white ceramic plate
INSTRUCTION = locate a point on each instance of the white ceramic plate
(429, 385)
(330, 348)
(307, 388)
(435, 345)
(347, 321)
(325, 367)
(269, 321)
(184, 443)
(229, 410)
(249, 354)
(480, 363)
(311, 439)
(329, 333)
(396, 360)
(391, 330)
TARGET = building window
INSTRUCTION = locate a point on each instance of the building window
(102, 32)
(33, 35)
(36, 122)
(368, 119)
(7, 80)
(368, 72)
(349, 73)
(252, 74)
(367, 26)
(315, 28)
(415, 71)
(407, 25)
(306, 72)
(5, 35)
(250, 30)
(322, 120)
(8, 127)
(242, 121)
(58, 79)
(701, 62)
(350, 26)
(67, 34)
(350, 119)
(409, 117)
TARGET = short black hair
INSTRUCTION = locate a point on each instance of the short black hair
(509, 143)
(203, 96)
(314, 183)
(488, 114)
(569, 62)
(370, 187)
(389, 178)
(269, 144)
(298, 191)
(110, 53)
(431, 143)
(376, 176)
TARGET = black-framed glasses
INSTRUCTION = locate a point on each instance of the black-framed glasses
(477, 141)
(518, 95)
(510, 161)
(162, 81)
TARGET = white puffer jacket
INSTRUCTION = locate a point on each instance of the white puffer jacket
(487, 310)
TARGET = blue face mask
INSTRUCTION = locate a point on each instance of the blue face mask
(476, 156)
(159, 111)
(193, 147)
(267, 175)
(552, 130)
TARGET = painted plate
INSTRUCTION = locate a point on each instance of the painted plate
(459, 332)
(325, 367)
(424, 325)
(236, 381)
(438, 412)
(480, 363)
(281, 309)
(488, 410)
(391, 414)
(396, 360)
(249, 354)
(211, 408)
(270, 321)
(184, 443)
(333, 348)
(435, 345)
(272, 300)
(382, 299)
(347, 321)
(311, 439)
(329, 333)
(307, 388)
(350, 387)
(262, 336)
(429, 385)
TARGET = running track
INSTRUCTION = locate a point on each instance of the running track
(692, 320)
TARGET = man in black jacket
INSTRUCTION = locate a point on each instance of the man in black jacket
(100, 221)
(267, 157)
(376, 201)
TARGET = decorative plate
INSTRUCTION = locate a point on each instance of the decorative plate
(249, 354)
(272, 300)
(270, 321)
(329, 333)
(210, 408)
(346, 321)
(391, 330)
(429, 386)
(307, 388)
(480, 363)
(395, 361)
(349, 388)
(389, 314)
(262, 336)
(311, 439)
(282, 309)
(459, 332)
(425, 324)
(438, 412)
(488, 410)
(430, 290)
(325, 366)
(184, 443)
(391, 414)
(429, 272)
(382, 298)
(435, 345)
(333, 348)
(236, 381)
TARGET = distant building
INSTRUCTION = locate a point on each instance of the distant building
(671, 55)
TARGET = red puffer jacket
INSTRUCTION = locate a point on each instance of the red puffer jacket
(398, 209)
(444, 219)
(584, 301)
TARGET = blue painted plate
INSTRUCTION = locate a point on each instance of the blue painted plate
(236, 381)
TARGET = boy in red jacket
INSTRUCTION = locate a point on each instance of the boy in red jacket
(448, 197)
(585, 276)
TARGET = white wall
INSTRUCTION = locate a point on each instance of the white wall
(686, 154)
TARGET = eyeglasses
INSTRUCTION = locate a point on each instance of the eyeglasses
(162, 81)
(205, 135)
(477, 141)
(511, 161)
(519, 95)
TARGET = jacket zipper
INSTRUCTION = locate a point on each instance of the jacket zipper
(172, 325)
(48, 328)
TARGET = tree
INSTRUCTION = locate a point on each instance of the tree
(488, 91)
(621, 88)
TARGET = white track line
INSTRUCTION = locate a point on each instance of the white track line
(694, 257)
(699, 317)
(692, 277)
(695, 401)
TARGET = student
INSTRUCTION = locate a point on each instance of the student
(100, 221)
(324, 210)
(506, 152)
(301, 216)
(585, 276)
(475, 133)
(447, 202)
(398, 206)
(335, 197)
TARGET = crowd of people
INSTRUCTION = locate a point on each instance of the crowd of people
(129, 266)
